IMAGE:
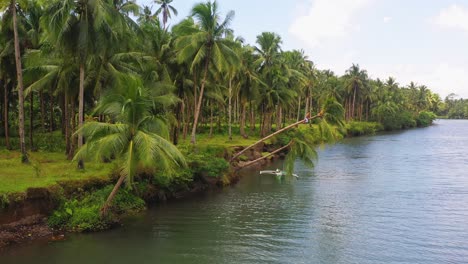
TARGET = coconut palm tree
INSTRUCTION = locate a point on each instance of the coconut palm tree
(205, 43)
(138, 137)
(165, 9)
(12, 6)
(74, 26)
(356, 81)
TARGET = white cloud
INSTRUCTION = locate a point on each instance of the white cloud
(441, 78)
(453, 16)
(387, 19)
(327, 19)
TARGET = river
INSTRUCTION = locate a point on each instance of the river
(392, 198)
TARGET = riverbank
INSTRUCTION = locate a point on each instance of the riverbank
(30, 213)
(65, 205)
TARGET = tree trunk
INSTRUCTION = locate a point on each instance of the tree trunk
(353, 105)
(252, 118)
(242, 120)
(31, 120)
(230, 109)
(66, 125)
(274, 134)
(42, 103)
(279, 115)
(5, 116)
(264, 157)
(200, 98)
(72, 129)
(108, 202)
(185, 119)
(19, 74)
(51, 102)
(211, 120)
(81, 112)
(299, 109)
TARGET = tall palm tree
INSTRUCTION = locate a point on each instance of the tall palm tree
(138, 138)
(356, 81)
(272, 72)
(205, 43)
(75, 27)
(12, 6)
(165, 9)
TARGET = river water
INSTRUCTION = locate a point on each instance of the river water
(392, 198)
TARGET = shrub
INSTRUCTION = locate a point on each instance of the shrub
(206, 164)
(362, 128)
(83, 215)
(425, 118)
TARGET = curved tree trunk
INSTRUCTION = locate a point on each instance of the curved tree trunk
(19, 75)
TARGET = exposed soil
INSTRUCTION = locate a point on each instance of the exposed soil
(25, 230)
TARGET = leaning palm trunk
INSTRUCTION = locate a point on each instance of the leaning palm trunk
(264, 157)
(105, 207)
(274, 134)
(19, 75)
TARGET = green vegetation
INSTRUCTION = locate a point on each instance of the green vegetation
(166, 97)
(454, 108)
(84, 214)
(363, 128)
(45, 169)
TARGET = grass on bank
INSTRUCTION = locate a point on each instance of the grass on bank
(44, 169)
(47, 168)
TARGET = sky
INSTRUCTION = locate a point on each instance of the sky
(424, 41)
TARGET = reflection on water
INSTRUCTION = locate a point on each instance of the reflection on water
(393, 198)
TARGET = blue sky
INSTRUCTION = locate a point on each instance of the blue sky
(418, 40)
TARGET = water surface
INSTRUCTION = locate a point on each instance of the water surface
(393, 198)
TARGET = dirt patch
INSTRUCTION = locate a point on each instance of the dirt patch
(27, 229)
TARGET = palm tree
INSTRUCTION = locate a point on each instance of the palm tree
(356, 81)
(205, 43)
(12, 5)
(272, 75)
(165, 9)
(75, 26)
(138, 138)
